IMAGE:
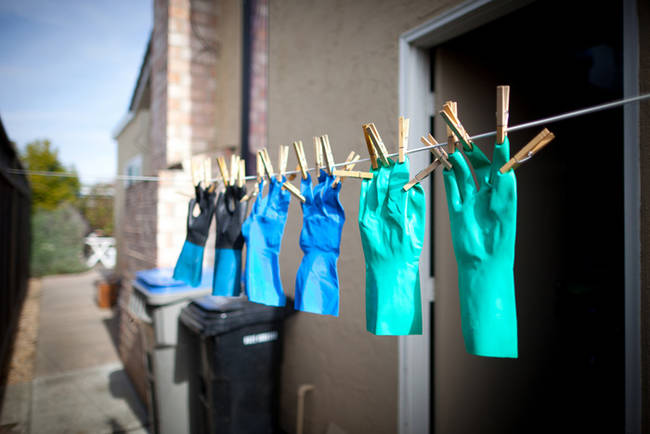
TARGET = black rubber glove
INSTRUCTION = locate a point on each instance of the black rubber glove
(190, 262)
(199, 226)
(229, 215)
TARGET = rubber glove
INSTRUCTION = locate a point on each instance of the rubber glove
(483, 226)
(263, 231)
(317, 281)
(391, 222)
(229, 215)
(190, 262)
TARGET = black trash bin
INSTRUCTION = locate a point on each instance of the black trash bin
(240, 348)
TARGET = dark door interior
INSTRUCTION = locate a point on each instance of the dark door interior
(569, 269)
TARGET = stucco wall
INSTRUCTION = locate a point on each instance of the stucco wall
(334, 66)
(228, 73)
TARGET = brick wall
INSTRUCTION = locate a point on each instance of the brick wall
(139, 253)
(158, 135)
(204, 50)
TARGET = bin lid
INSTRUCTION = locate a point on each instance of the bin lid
(215, 315)
(159, 287)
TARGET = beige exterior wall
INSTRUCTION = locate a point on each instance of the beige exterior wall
(334, 66)
(229, 72)
(132, 140)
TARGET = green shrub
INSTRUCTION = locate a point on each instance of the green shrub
(57, 241)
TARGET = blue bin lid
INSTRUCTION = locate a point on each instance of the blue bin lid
(160, 280)
(160, 288)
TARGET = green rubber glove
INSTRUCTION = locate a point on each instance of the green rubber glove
(483, 226)
(391, 222)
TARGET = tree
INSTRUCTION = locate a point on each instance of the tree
(48, 192)
(97, 208)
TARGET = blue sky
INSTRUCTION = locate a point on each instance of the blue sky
(67, 71)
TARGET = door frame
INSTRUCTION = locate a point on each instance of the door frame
(414, 364)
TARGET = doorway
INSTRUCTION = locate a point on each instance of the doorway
(569, 267)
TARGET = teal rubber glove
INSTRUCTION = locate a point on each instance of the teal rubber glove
(391, 222)
(483, 227)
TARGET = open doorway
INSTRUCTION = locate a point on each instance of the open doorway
(569, 268)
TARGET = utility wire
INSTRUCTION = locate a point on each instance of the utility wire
(552, 119)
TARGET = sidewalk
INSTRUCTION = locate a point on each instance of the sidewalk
(79, 385)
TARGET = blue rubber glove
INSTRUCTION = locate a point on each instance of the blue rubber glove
(229, 216)
(317, 281)
(190, 262)
(391, 222)
(263, 231)
(483, 227)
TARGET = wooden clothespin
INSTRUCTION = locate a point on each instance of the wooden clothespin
(294, 190)
(351, 160)
(234, 168)
(422, 174)
(241, 179)
(437, 151)
(352, 174)
(221, 162)
(503, 112)
(293, 176)
(300, 155)
(318, 153)
(259, 168)
(327, 151)
(533, 147)
(378, 143)
(283, 159)
(184, 193)
(452, 140)
(207, 173)
(371, 148)
(451, 119)
(266, 162)
(403, 127)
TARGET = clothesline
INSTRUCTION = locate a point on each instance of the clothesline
(548, 120)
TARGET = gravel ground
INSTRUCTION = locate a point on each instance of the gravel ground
(21, 367)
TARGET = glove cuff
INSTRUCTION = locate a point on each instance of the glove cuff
(393, 303)
(488, 308)
(263, 283)
(227, 273)
(189, 266)
(317, 283)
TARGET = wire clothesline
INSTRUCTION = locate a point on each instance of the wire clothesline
(548, 120)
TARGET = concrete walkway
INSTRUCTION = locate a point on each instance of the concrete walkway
(79, 384)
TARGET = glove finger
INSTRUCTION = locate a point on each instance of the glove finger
(416, 216)
(464, 177)
(278, 200)
(190, 212)
(504, 191)
(331, 200)
(501, 154)
(481, 165)
(363, 198)
(396, 195)
(306, 190)
(454, 202)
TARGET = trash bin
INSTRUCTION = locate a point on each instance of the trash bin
(157, 300)
(239, 365)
